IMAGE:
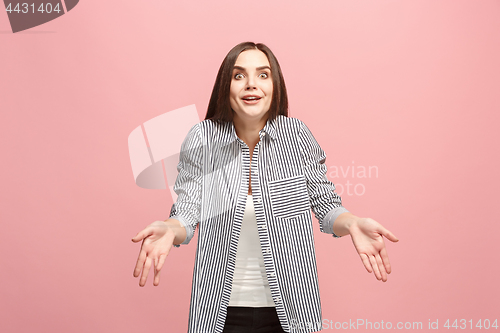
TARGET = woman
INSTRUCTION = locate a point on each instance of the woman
(248, 178)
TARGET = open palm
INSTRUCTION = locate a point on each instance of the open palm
(366, 234)
(157, 242)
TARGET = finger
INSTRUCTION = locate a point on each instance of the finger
(157, 277)
(375, 267)
(156, 271)
(159, 264)
(389, 235)
(145, 271)
(140, 262)
(381, 267)
(385, 259)
(366, 262)
(161, 261)
(142, 234)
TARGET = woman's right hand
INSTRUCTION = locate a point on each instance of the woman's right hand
(158, 239)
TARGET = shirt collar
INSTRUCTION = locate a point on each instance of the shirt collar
(270, 129)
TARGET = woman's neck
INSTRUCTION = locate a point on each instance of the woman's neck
(248, 130)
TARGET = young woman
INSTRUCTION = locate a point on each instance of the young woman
(249, 176)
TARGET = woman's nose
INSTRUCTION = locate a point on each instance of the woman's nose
(250, 85)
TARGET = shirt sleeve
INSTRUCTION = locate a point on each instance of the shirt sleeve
(188, 185)
(325, 203)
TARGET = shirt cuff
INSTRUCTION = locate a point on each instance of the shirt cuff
(330, 218)
(186, 226)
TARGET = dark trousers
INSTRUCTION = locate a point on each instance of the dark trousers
(252, 320)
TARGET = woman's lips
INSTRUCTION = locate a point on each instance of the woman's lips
(251, 101)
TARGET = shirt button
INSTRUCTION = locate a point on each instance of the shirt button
(273, 274)
(268, 250)
(259, 200)
(278, 299)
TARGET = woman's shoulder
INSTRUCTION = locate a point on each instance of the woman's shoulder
(205, 125)
(209, 127)
(289, 123)
(281, 123)
(211, 131)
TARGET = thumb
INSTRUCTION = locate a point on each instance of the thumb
(389, 235)
(141, 235)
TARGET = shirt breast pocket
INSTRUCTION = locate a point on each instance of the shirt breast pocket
(289, 196)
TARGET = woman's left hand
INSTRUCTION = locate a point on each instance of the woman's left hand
(366, 234)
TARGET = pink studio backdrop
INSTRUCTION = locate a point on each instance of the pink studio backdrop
(405, 89)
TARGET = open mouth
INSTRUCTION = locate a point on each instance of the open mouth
(251, 99)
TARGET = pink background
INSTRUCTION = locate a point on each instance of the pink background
(410, 87)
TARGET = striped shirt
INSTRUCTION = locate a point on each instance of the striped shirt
(288, 180)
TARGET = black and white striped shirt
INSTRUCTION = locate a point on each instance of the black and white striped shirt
(288, 180)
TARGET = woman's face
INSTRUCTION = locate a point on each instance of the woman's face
(251, 86)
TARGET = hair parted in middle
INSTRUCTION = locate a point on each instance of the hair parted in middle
(219, 107)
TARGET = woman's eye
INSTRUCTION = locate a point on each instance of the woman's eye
(263, 75)
(238, 76)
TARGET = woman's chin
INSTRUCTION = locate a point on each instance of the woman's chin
(251, 114)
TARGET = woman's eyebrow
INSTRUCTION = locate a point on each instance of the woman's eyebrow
(258, 68)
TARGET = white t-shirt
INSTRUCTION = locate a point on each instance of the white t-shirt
(250, 286)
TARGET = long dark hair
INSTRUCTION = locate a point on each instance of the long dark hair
(219, 107)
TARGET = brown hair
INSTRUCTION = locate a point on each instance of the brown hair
(219, 107)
